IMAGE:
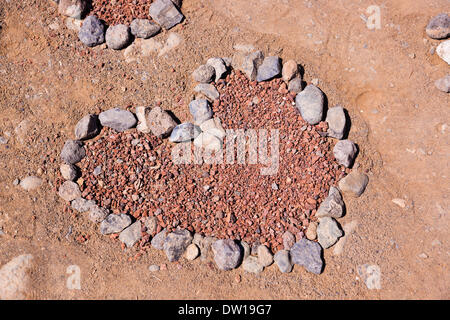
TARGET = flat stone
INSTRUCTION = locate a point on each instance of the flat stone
(98, 214)
(153, 268)
(165, 13)
(439, 27)
(345, 151)
(73, 151)
(213, 126)
(151, 223)
(283, 261)
(227, 254)
(208, 90)
(92, 32)
(208, 141)
(332, 206)
(158, 240)
(114, 223)
(265, 257)
(443, 51)
(160, 122)
(204, 74)
(82, 205)
(200, 110)
(269, 69)
(144, 28)
(348, 230)
(30, 183)
(252, 265)
(68, 171)
(290, 71)
(219, 66)
(328, 232)
(354, 183)
(336, 122)
(308, 254)
(184, 132)
(295, 85)
(311, 232)
(73, 8)
(192, 252)
(443, 84)
(131, 234)
(15, 279)
(371, 276)
(288, 240)
(118, 36)
(176, 243)
(117, 119)
(69, 191)
(310, 104)
(250, 64)
(88, 127)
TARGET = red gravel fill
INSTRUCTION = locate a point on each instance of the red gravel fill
(120, 11)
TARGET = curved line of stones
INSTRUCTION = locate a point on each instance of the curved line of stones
(228, 254)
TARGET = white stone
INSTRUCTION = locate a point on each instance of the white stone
(443, 51)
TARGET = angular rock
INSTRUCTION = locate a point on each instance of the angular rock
(31, 182)
(192, 252)
(290, 70)
(219, 67)
(288, 240)
(118, 119)
(269, 69)
(142, 114)
(208, 90)
(158, 240)
(227, 254)
(165, 13)
(443, 51)
(118, 36)
(311, 232)
(143, 28)
(245, 246)
(98, 214)
(345, 151)
(328, 232)
(88, 127)
(92, 32)
(82, 205)
(15, 278)
(69, 191)
(184, 132)
(208, 141)
(332, 206)
(114, 223)
(214, 127)
(252, 265)
(265, 257)
(68, 171)
(200, 110)
(308, 254)
(204, 74)
(198, 238)
(131, 234)
(176, 243)
(354, 183)
(250, 64)
(439, 27)
(295, 85)
(336, 122)
(205, 247)
(443, 84)
(160, 122)
(72, 152)
(151, 223)
(283, 261)
(310, 103)
(73, 8)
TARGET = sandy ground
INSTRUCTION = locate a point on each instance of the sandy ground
(383, 77)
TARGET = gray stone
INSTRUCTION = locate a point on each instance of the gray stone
(158, 240)
(219, 67)
(117, 119)
(227, 61)
(251, 63)
(69, 191)
(160, 122)
(332, 206)
(165, 13)
(252, 265)
(98, 214)
(72, 152)
(265, 257)
(198, 238)
(204, 74)
(269, 69)
(142, 114)
(345, 151)
(31, 182)
(118, 36)
(73, 8)
(439, 27)
(143, 28)
(354, 183)
(97, 170)
(308, 254)
(295, 85)
(370, 275)
(176, 243)
(153, 268)
(288, 240)
(15, 279)
(92, 32)
(443, 84)
(336, 122)
(88, 127)
(310, 104)
(114, 223)
(227, 254)
(68, 171)
(192, 252)
(82, 205)
(246, 248)
(151, 223)
(208, 90)
(205, 247)
(283, 261)
(131, 234)
(328, 232)
(200, 110)
(184, 132)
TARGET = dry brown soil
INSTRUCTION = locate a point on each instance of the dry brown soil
(384, 78)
